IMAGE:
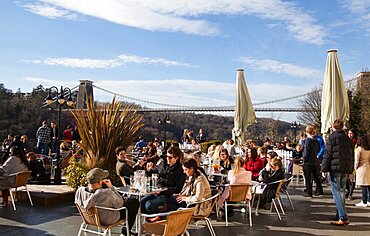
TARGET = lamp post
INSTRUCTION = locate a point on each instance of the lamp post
(59, 96)
(295, 126)
(165, 121)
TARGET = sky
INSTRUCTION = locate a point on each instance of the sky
(182, 52)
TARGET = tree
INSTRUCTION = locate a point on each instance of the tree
(312, 103)
(355, 110)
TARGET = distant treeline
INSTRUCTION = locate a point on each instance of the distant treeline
(22, 113)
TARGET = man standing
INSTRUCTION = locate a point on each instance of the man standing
(43, 138)
(54, 137)
(201, 137)
(311, 164)
(338, 161)
(100, 192)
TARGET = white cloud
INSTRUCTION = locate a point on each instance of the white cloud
(50, 11)
(361, 8)
(182, 92)
(184, 15)
(279, 67)
(119, 61)
(48, 82)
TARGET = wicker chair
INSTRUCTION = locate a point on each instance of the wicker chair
(238, 196)
(20, 181)
(212, 199)
(90, 217)
(175, 223)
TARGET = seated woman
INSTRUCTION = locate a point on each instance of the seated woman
(253, 164)
(271, 155)
(262, 154)
(196, 157)
(196, 188)
(268, 177)
(17, 162)
(238, 175)
(26, 145)
(226, 161)
(36, 166)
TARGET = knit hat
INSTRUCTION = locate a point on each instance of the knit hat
(96, 174)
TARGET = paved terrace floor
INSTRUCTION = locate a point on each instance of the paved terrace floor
(311, 217)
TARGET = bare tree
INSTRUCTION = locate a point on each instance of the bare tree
(312, 103)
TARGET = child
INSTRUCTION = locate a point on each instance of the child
(269, 177)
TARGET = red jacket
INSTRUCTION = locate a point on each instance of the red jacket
(255, 166)
(67, 135)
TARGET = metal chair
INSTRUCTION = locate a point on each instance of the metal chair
(90, 217)
(284, 190)
(175, 223)
(238, 196)
(20, 181)
(278, 198)
(258, 191)
(213, 201)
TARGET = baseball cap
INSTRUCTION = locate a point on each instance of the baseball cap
(96, 174)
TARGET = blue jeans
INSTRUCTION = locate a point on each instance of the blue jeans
(338, 187)
(153, 204)
(42, 148)
(365, 194)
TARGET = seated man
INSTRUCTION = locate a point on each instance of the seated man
(173, 180)
(97, 195)
(124, 166)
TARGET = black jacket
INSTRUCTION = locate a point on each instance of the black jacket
(173, 179)
(339, 154)
(310, 150)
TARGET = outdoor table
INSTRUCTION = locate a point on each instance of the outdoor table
(135, 192)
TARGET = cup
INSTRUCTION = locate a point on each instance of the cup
(132, 183)
(154, 180)
(216, 167)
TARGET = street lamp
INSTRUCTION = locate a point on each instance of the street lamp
(59, 96)
(165, 121)
(295, 126)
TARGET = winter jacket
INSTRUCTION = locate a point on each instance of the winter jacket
(197, 190)
(173, 179)
(310, 150)
(339, 154)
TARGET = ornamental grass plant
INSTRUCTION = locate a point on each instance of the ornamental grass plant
(103, 127)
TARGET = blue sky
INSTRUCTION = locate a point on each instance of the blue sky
(182, 52)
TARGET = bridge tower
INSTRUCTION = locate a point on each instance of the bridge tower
(85, 90)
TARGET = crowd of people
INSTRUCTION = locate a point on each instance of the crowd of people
(184, 175)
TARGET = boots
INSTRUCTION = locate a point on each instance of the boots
(5, 193)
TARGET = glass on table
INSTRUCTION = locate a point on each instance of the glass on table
(132, 183)
(154, 180)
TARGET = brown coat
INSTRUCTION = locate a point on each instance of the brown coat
(198, 190)
(362, 166)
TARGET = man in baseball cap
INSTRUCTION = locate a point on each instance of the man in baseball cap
(95, 175)
(95, 195)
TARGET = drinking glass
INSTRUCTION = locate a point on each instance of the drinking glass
(154, 180)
